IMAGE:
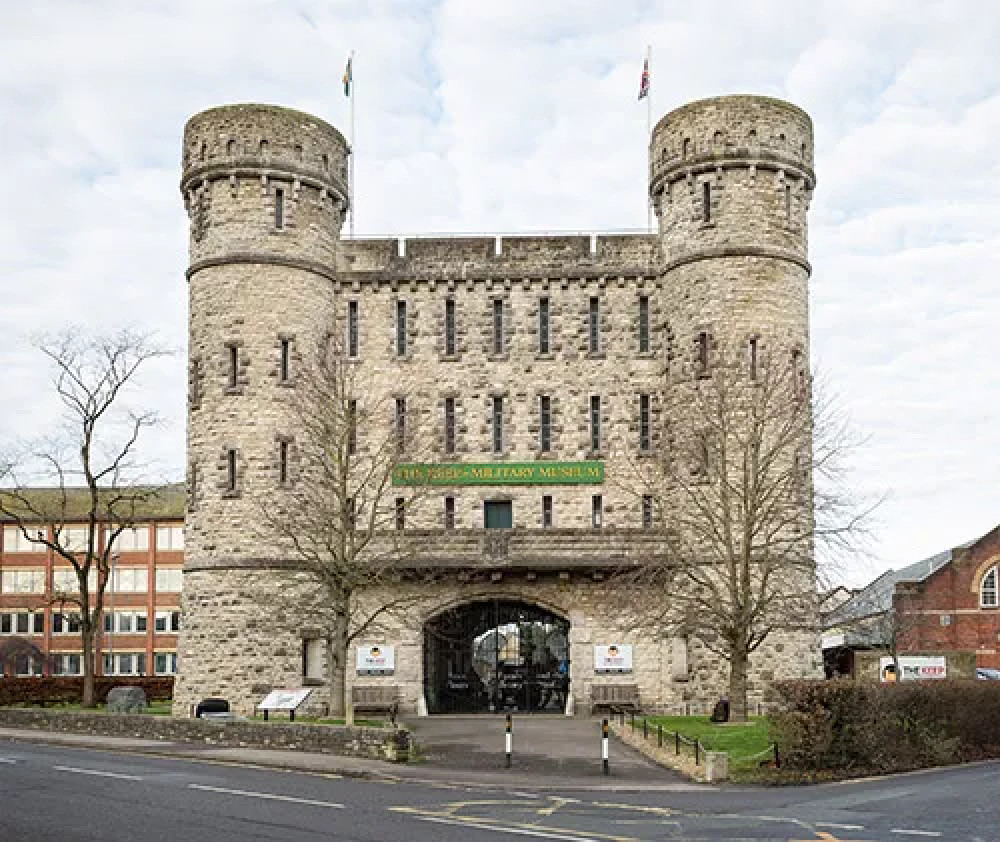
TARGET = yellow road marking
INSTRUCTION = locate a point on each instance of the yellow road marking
(474, 821)
(557, 802)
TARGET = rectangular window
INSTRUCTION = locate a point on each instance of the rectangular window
(449, 327)
(169, 579)
(284, 361)
(706, 202)
(66, 581)
(352, 427)
(596, 511)
(788, 202)
(643, 324)
(65, 623)
(232, 380)
(169, 537)
(125, 664)
(22, 623)
(400, 513)
(401, 336)
(38, 623)
(15, 542)
(353, 334)
(231, 470)
(752, 358)
(498, 326)
(545, 423)
(647, 511)
(66, 665)
(129, 580)
(283, 462)
(165, 663)
(23, 581)
(279, 208)
(352, 515)
(595, 423)
(546, 511)
(132, 539)
(644, 439)
(167, 621)
(400, 423)
(497, 424)
(74, 538)
(127, 622)
(449, 512)
(543, 325)
(449, 425)
(702, 352)
(594, 325)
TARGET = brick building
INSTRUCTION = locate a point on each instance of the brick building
(142, 598)
(539, 364)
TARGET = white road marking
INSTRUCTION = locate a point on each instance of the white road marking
(916, 832)
(7, 760)
(270, 796)
(841, 826)
(97, 772)
(517, 830)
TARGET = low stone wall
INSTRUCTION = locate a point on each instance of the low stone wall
(377, 743)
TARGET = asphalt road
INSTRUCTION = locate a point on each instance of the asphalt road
(69, 794)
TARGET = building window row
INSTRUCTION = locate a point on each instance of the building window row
(74, 538)
(128, 622)
(22, 622)
(547, 512)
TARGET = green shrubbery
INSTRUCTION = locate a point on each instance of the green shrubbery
(861, 727)
(69, 689)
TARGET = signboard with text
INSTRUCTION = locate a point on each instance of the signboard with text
(613, 657)
(913, 668)
(288, 699)
(376, 659)
(499, 473)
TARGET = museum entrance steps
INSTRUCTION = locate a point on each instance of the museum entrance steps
(544, 745)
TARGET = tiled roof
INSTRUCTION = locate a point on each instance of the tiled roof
(69, 504)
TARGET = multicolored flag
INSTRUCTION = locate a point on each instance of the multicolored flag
(644, 81)
(348, 78)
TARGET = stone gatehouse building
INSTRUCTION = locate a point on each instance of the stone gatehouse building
(535, 361)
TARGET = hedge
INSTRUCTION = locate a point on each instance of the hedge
(69, 689)
(855, 727)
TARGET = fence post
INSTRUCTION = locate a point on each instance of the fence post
(697, 745)
(604, 748)
(659, 735)
(645, 730)
(631, 720)
(777, 757)
(677, 742)
(508, 739)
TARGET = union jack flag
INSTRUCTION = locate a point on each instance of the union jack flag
(644, 81)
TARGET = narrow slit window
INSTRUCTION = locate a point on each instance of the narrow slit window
(545, 423)
(283, 462)
(647, 511)
(352, 427)
(497, 424)
(788, 202)
(449, 512)
(449, 327)
(234, 366)
(643, 324)
(498, 336)
(400, 513)
(547, 511)
(595, 423)
(230, 470)
(644, 437)
(400, 328)
(279, 208)
(284, 361)
(596, 511)
(752, 357)
(594, 325)
(353, 329)
(449, 425)
(702, 352)
(706, 202)
(543, 325)
(351, 512)
(400, 423)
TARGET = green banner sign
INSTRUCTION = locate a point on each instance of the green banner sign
(499, 473)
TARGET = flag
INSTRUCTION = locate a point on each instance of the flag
(644, 81)
(348, 78)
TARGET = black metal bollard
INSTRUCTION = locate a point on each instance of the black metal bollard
(659, 736)
(631, 719)
(777, 757)
(604, 748)
(645, 730)
(696, 759)
(677, 742)
(508, 739)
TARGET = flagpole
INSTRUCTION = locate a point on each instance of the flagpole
(350, 175)
(649, 128)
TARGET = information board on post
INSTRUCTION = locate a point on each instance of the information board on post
(287, 699)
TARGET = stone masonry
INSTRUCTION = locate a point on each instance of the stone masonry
(266, 192)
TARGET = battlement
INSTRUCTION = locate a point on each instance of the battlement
(262, 139)
(731, 130)
(468, 256)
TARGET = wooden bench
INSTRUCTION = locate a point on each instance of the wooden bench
(381, 698)
(622, 696)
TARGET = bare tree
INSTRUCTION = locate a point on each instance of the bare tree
(732, 483)
(338, 509)
(88, 477)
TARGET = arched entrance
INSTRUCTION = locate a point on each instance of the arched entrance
(495, 655)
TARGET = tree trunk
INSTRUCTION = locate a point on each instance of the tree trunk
(89, 667)
(738, 663)
(337, 659)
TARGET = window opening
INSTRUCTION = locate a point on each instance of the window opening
(546, 511)
(594, 325)
(353, 333)
(706, 202)
(647, 511)
(643, 324)
(596, 511)
(644, 438)
(545, 423)
(230, 470)
(449, 425)
(449, 512)
(595, 423)
(497, 326)
(449, 327)
(279, 208)
(400, 328)
(543, 325)
(497, 424)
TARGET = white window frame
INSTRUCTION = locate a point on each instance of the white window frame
(114, 623)
(170, 663)
(989, 588)
(73, 538)
(129, 580)
(20, 580)
(132, 539)
(112, 664)
(167, 622)
(169, 579)
(15, 542)
(169, 537)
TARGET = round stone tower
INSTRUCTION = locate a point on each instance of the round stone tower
(266, 192)
(731, 179)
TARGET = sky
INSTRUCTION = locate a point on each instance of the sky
(518, 116)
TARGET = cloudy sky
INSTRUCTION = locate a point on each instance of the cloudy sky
(521, 115)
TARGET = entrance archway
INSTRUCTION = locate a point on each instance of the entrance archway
(495, 655)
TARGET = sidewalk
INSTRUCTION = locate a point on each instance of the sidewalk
(548, 755)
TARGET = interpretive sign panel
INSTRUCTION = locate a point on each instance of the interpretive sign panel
(613, 657)
(499, 473)
(376, 659)
(288, 699)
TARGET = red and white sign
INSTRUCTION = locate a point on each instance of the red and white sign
(613, 657)
(913, 668)
(376, 658)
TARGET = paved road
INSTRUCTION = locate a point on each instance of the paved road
(70, 794)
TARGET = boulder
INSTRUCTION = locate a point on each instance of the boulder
(126, 700)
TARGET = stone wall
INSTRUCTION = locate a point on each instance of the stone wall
(375, 743)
